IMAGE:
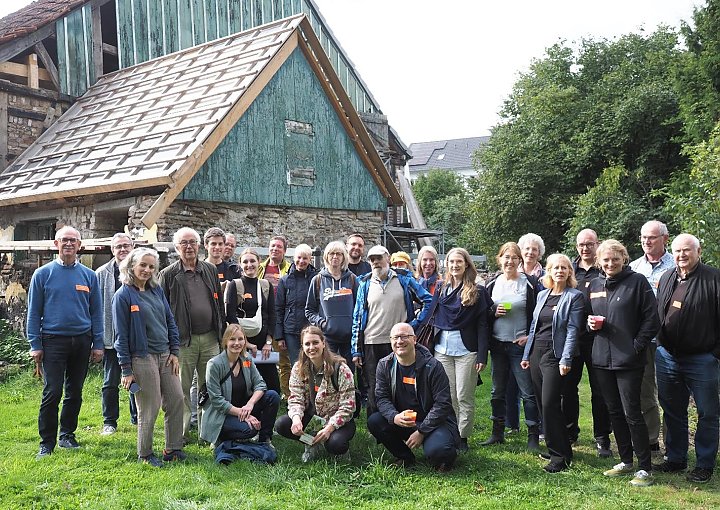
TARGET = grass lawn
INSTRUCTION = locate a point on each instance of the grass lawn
(104, 472)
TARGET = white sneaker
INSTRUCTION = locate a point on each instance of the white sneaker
(620, 469)
(108, 430)
(642, 479)
(310, 453)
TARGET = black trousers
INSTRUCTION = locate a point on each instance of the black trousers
(571, 399)
(549, 387)
(372, 354)
(65, 365)
(621, 389)
(338, 442)
(439, 445)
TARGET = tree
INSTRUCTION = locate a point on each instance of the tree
(441, 196)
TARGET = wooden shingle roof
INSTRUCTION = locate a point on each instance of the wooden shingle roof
(34, 16)
(156, 123)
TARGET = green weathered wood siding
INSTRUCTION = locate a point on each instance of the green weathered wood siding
(74, 47)
(151, 28)
(250, 165)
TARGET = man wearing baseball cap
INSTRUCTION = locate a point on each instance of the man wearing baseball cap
(384, 298)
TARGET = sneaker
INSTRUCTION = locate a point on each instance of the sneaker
(670, 467)
(603, 450)
(463, 446)
(267, 443)
(311, 453)
(510, 431)
(43, 452)
(642, 479)
(68, 441)
(108, 430)
(152, 460)
(700, 475)
(544, 455)
(620, 469)
(174, 455)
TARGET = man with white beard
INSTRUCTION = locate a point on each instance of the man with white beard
(384, 298)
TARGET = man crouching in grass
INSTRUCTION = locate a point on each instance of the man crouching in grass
(414, 407)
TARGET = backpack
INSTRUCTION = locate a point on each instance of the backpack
(358, 396)
(240, 288)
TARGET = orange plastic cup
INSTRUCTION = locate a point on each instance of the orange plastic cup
(410, 415)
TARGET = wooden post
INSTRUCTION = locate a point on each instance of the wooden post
(97, 44)
(3, 129)
(33, 79)
(48, 63)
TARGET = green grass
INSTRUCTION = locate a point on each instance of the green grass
(103, 474)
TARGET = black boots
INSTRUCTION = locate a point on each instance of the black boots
(533, 443)
(498, 434)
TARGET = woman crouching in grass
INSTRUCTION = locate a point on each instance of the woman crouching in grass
(147, 344)
(239, 404)
(320, 384)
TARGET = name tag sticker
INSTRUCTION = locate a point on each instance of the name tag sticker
(677, 304)
(247, 295)
(409, 380)
(317, 388)
(134, 308)
(215, 295)
(221, 276)
(246, 364)
(594, 295)
(82, 288)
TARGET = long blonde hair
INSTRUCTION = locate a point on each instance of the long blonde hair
(330, 359)
(553, 259)
(469, 293)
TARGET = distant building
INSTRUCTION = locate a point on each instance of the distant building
(455, 155)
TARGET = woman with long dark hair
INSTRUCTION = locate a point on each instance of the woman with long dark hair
(461, 335)
(321, 384)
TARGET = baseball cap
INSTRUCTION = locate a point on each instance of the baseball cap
(377, 250)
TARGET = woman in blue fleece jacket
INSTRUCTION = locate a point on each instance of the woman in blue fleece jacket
(147, 344)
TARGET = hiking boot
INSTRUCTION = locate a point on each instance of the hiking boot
(620, 469)
(603, 448)
(463, 446)
(670, 467)
(498, 434)
(642, 479)
(174, 455)
(700, 475)
(556, 467)
(108, 430)
(43, 452)
(311, 453)
(68, 442)
(533, 442)
(152, 460)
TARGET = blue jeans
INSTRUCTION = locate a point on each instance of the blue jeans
(343, 349)
(506, 357)
(111, 391)
(292, 342)
(677, 378)
(265, 410)
(65, 364)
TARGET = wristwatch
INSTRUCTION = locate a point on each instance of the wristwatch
(268, 342)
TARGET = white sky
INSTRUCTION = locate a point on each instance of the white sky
(441, 69)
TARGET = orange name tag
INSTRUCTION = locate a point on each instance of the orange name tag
(247, 295)
(221, 276)
(246, 364)
(677, 304)
(215, 295)
(317, 388)
(134, 308)
(344, 292)
(82, 288)
(409, 380)
(594, 295)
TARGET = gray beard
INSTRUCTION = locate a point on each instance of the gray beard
(380, 272)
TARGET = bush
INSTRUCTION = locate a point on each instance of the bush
(13, 347)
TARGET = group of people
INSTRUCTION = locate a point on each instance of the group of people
(220, 344)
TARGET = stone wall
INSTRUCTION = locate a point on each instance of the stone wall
(254, 225)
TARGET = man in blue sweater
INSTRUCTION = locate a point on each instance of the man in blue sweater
(65, 330)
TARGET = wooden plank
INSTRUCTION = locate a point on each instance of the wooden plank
(156, 29)
(110, 49)
(183, 176)
(197, 16)
(14, 88)
(63, 70)
(97, 44)
(211, 19)
(16, 46)
(287, 7)
(141, 30)
(267, 9)
(91, 75)
(223, 18)
(257, 13)
(126, 36)
(170, 13)
(48, 63)
(247, 10)
(22, 71)
(235, 8)
(3, 130)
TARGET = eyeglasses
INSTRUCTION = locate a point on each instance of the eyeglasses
(648, 238)
(335, 253)
(185, 242)
(68, 240)
(586, 245)
(508, 257)
(397, 338)
(124, 246)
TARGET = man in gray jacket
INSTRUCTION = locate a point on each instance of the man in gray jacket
(109, 279)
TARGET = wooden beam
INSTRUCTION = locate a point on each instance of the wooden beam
(187, 171)
(110, 49)
(22, 71)
(20, 44)
(97, 44)
(49, 95)
(48, 63)
(3, 129)
(33, 79)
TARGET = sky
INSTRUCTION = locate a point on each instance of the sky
(441, 70)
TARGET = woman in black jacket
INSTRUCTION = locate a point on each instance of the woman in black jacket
(290, 301)
(253, 307)
(624, 317)
(461, 334)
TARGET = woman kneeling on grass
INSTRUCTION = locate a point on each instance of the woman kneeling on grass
(147, 344)
(239, 405)
(320, 384)
(549, 352)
